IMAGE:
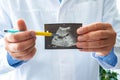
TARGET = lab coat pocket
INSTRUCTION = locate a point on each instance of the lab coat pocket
(84, 11)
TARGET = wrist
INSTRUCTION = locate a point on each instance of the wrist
(14, 62)
(108, 60)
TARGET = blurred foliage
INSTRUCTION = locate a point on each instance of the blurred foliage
(107, 74)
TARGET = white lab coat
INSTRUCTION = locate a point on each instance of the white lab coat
(67, 64)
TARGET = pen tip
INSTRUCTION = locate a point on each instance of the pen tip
(5, 30)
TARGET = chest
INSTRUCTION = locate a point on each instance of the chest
(46, 11)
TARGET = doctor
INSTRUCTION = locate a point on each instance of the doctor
(23, 57)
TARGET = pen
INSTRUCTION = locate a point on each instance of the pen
(38, 33)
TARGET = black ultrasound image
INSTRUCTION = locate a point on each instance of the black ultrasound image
(64, 36)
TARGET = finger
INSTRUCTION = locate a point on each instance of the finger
(20, 36)
(21, 25)
(23, 53)
(29, 56)
(21, 46)
(95, 35)
(93, 27)
(94, 44)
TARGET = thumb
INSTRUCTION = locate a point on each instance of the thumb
(21, 25)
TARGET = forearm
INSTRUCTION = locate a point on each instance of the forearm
(108, 61)
(14, 62)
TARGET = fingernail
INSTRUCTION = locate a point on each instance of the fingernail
(33, 34)
(80, 38)
(80, 30)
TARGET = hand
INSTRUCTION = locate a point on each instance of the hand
(21, 45)
(98, 37)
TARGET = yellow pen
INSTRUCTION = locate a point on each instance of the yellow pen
(43, 33)
(38, 33)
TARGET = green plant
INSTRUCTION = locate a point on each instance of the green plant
(107, 74)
